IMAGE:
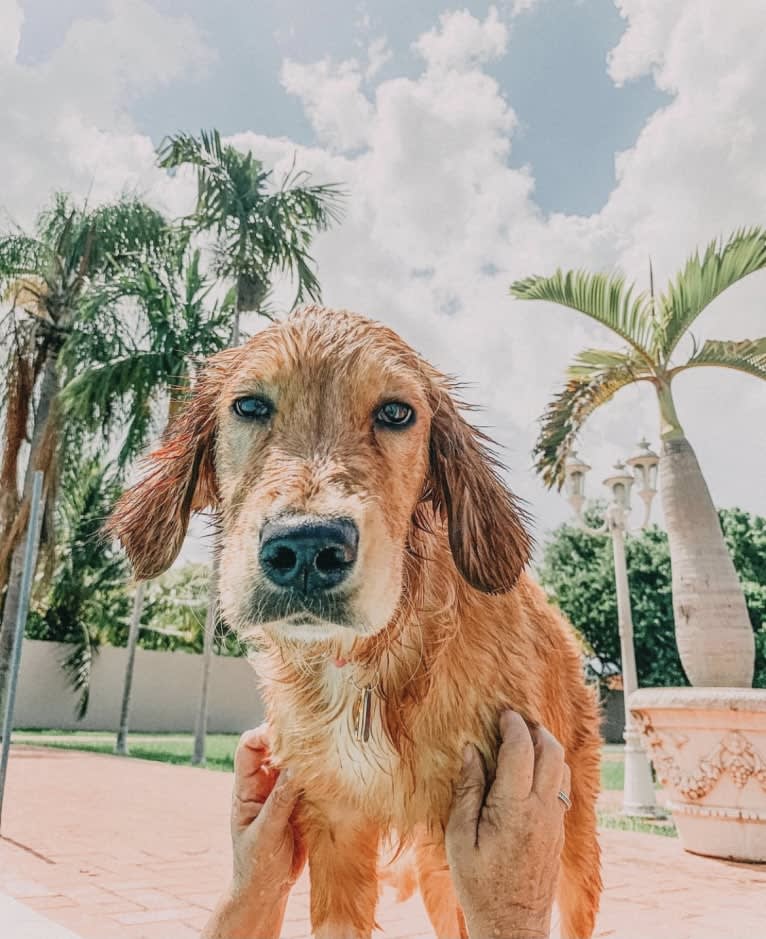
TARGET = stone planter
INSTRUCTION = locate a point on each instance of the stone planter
(708, 747)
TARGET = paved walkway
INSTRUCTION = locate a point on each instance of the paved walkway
(127, 849)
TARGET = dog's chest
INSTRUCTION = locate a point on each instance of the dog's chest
(329, 752)
(366, 761)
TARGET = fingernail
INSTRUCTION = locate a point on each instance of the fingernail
(467, 755)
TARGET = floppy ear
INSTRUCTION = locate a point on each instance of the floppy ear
(487, 535)
(151, 518)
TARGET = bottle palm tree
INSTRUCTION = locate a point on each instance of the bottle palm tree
(713, 630)
(47, 278)
(149, 366)
(260, 231)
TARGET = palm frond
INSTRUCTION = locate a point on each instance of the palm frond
(19, 255)
(78, 667)
(747, 355)
(604, 298)
(594, 377)
(702, 280)
(124, 233)
(261, 229)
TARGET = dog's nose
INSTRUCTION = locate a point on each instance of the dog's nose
(308, 554)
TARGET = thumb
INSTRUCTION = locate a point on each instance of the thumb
(468, 799)
(277, 809)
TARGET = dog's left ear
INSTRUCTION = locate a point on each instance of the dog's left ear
(487, 534)
(151, 518)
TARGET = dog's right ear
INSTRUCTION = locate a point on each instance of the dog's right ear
(151, 518)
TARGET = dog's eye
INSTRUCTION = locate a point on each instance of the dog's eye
(253, 408)
(395, 414)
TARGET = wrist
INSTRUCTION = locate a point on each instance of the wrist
(242, 914)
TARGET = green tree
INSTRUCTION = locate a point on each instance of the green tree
(260, 230)
(713, 632)
(175, 610)
(145, 368)
(84, 602)
(133, 381)
(48, 278)
(577, 572)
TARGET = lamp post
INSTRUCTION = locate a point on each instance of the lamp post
(638, 793)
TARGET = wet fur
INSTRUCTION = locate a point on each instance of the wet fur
(469, 632)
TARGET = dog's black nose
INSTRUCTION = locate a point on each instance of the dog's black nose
(308, 554)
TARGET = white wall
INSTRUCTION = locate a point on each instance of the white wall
(165, 691)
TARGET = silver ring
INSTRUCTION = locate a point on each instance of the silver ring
(565, 799)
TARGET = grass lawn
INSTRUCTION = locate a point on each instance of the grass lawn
(168, 748)
(612, 774)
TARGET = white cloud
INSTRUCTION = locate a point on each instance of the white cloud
(65, 121)
(378, 54)
(522, 6)
(461, 41)
(333, 99)
(11, 19)
(438, 223)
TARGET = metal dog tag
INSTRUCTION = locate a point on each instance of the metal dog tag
(363, 715)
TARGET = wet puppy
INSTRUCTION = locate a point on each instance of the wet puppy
(371, 552)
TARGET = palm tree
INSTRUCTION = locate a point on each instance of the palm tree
(85, 597)
(713, 630)
(47, 278)
(176, 322)
(260, 231)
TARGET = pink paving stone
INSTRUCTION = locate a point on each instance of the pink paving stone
(116, 829)
(151, 899)
(162, 931)
(179, 914)
(49, 903)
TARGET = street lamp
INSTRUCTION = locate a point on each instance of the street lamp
(638, 792)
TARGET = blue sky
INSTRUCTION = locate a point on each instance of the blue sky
(572, 116)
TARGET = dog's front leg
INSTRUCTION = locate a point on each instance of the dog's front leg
(343, 868)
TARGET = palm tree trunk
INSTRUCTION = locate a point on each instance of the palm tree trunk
(713, 630)
(121, 746)
(40, 453)
(200, 727)
(175, 402)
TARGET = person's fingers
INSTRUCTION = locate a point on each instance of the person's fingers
(254, 776)
(274, 817)
(468, 798)
(515, 760)
(252, 750)
(549, 763)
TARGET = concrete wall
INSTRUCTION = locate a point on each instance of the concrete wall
(166, 689)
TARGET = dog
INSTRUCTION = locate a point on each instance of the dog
(372, 554)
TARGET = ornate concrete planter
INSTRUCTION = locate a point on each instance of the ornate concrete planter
(708, 747)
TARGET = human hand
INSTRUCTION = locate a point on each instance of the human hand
(268, 850)
(269, 854)
(504, 848)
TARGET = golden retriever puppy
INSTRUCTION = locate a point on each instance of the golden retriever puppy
(371, 552)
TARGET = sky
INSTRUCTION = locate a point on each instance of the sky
(478, 143)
